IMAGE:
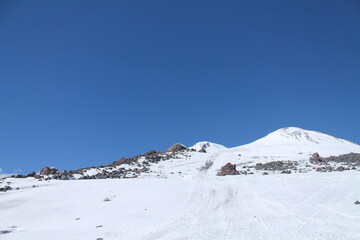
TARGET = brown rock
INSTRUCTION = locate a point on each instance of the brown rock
(228, 169)
(316, 155)
(176, 147)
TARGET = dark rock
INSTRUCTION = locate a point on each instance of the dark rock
(32, 174)
(151, 152)
(18, 176)
(265, 173)
(286, 171)
(202, 150)
(341, 168)
(4, 189)
(357, 202)
(228, 169)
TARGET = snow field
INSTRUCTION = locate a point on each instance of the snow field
(295, 206)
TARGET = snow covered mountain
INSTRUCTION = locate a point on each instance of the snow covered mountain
(281, 190)
(291, 141)
(286, 144)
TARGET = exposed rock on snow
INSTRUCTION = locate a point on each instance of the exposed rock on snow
(4, 232)
(4, 189)
(228, 169)
(349, 159)
(176, 147)
(277, 166)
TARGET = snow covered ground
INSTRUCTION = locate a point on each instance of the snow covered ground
(296, 206)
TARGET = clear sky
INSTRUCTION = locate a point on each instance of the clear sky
(83, 83)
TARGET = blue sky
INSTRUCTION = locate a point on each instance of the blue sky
(84, 83)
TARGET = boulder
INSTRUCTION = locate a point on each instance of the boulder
(315, 156)
(228, 169)
(4, 189)
(176, 147)
(340, 168)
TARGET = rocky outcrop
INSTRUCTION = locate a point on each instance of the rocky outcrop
(316, 159)
(228, 169)
(48, 171)
(315, 156)
(352, 159)
(176, 147)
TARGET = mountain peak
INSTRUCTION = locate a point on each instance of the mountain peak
(299, 134)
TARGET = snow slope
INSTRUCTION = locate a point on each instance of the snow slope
(297, 206)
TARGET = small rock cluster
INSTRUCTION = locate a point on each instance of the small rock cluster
(284, 166)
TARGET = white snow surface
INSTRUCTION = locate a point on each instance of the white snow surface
(296, 206)
(177, 200)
